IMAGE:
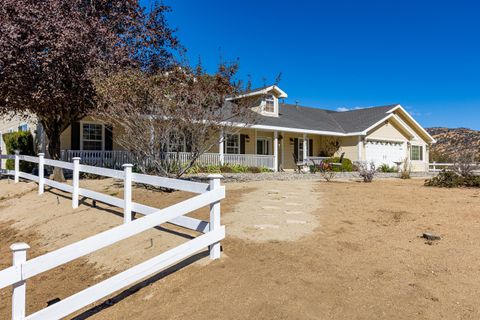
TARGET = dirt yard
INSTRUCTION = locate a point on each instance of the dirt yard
(294, 250)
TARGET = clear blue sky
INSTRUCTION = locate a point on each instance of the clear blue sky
(422, 54)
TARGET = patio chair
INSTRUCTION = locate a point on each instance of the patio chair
(322, 165)
(340, 161)
(299, 164)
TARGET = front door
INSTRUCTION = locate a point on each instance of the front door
(263, 146)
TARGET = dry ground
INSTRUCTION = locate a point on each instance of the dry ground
(294, 250)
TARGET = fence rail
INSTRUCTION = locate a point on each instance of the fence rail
(207, 194)
(115, 159)
(439, 166)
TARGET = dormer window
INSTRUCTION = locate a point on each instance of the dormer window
(269, 104)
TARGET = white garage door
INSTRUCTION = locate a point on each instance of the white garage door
(384, 152)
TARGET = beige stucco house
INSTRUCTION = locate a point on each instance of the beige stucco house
(283, 132)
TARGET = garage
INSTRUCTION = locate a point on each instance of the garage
(385, 152)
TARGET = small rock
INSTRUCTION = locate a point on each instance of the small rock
(430, 236)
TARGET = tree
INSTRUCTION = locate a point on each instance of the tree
(328, 146)
(51, 50)
(159, 115)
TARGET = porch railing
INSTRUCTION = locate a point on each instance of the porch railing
(115, 159)
(107, 159)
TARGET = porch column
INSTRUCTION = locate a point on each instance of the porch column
(305, 146)
(221, 148)
(360, 148)
(275, 151)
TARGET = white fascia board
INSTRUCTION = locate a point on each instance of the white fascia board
(297, 130)
(282, 94)
(432, 140)
(392, 116)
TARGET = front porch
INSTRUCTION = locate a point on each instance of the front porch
(275, 150)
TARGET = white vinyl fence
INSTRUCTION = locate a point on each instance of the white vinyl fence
(438, 166)
(208, 194)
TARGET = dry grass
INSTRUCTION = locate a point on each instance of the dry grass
(365, 260)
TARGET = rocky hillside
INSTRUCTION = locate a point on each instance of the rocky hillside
(452, 142)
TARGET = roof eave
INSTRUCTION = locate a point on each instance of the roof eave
(432, 139)
(281, 93)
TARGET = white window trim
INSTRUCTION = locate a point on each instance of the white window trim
(423, 152)
(275, 106)
(226, 143)
(81, 133)
(270, 144)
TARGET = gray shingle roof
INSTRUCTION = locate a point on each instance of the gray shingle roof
(299, 117)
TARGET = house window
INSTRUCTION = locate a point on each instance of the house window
(269, 104)
(263, 146)
(177, 144)
(232, 144)
(416, 153)
(92, 136)
(300, 149)
(23, 127)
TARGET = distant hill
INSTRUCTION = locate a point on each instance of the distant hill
(452, 142)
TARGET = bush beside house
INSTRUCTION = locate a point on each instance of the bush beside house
(22, 141)
(347, 164)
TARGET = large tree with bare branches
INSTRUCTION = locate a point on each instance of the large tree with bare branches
(51, 50)
(167, 119)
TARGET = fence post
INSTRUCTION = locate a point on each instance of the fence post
(215, 215)
(41, 170)
(17, 166)
(127, 193)
(434, 166)
(19, 289)
(75, 181)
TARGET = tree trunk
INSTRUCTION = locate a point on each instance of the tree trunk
(55, 152)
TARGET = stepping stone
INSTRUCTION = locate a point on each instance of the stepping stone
(270, 208)
(296, 221)
(273, 191)
(266, 226)
(293, 212)
(265, 215)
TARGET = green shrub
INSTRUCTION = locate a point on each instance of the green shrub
(446, 179)
(472, 181)
(255, 169)
(263, 169)
(385, 168)
(22, 141)
(347, 165)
